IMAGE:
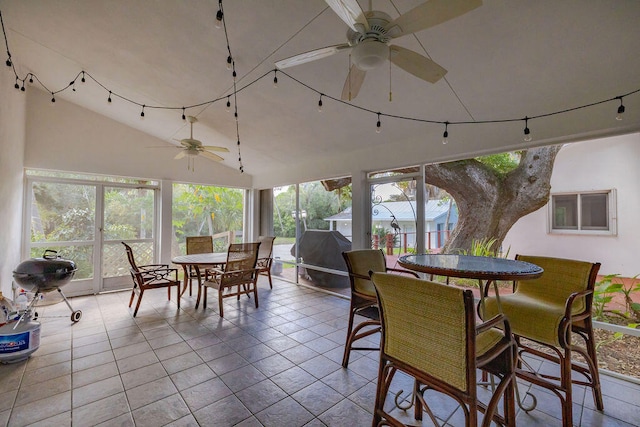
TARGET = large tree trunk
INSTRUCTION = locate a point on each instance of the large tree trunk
(490, 203)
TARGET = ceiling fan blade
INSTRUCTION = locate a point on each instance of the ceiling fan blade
(429, 14)
(312, 55)
(353, 83)
(350, 12)
(416, 64)
(180, 155)
(215, 148)
(211, 156)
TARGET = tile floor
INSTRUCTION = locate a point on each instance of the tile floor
(278, 365)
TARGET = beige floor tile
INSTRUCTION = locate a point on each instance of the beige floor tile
(41, 410)
(101, 410)
(38, 391)
(96, 391)
(150, 392)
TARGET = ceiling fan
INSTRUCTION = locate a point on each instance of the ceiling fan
(369, 35)
(191, 147)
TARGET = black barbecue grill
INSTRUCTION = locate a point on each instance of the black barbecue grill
(46, 274)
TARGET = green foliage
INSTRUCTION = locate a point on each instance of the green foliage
(206, 210)
(502, 163)
(484, 247)
(382, 234)
(316, 204)
(604, 293)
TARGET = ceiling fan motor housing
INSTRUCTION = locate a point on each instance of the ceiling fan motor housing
(371, 48)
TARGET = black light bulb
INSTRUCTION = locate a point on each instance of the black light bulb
(219, 16)
(31, 79)
(183, 116)
(142, 112)
(109, 99)
(320, 105)
(229, 62)
(445, 135)
(16, 85)
(8, 62)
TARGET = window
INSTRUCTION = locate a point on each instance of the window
(589, 212)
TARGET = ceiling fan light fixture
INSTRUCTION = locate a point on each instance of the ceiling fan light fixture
(370, 54)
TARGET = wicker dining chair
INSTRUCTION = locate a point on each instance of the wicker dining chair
(239, 272)
(150, 276)
(363, 295)
(551, 311)
(429, 332)
(197, 245)
(265, 257)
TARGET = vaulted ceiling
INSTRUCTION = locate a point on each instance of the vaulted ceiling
(505, 60)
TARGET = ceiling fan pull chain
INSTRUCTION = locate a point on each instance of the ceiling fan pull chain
(390, 94)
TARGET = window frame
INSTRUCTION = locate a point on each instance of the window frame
(611, 213)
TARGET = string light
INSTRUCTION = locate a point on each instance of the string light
(620, 110)
(228, 103)
(275, 78)
(220, 22)
(527, 132)
(184, 117)
(445, 135)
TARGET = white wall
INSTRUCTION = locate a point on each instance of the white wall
(64, 136)
(12, 142)
(602, 164)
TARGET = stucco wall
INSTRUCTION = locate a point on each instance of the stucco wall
(12, 142)
(602, 164)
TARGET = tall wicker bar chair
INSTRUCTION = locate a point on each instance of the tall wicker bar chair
(429, 332)
(363, 295)
(551, 311)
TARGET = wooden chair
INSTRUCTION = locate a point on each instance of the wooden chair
(549, 311)
(197, 245)
(429, 333)
(265, 258)
(240, 272)
(151, 276)
(363, 295)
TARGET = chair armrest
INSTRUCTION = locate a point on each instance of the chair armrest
(264, 262)
(152, 266)
(571, 300)
(397, 270)
(493, 323)
(159, 273)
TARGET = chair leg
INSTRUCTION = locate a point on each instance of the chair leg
(269, 275)
(347, 345)
(133, 294)
(566, 384)
(592, 362)
(255, 292)
(220, 309)
(178, 297)
(204, 302)
(135, 312)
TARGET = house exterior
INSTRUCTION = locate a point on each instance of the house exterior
(594, 210)
(401, 217)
